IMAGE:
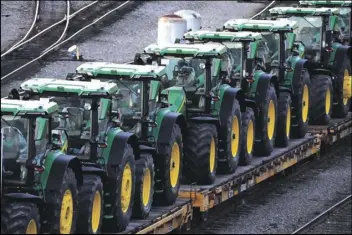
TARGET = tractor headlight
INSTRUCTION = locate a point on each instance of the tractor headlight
(138, 130)
(201, 103)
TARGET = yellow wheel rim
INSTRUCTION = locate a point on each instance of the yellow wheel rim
(174, 164)
(288, 121)
(250, 136)
(96, 211)
(327, 101)
(347, 86)
(147, 182)
(126, 188)
(212, 156)
(271, 119)
(32, 227)
(235, 135)
(305, 103)
(66, 214)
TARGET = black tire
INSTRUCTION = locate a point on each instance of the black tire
(320, 109)
(166, 193)
(90, 193)
(68, 185)
(265, 145)
(144, 166)
(248, 125)
(299, 126)
(120, 216)
(228, 161)
(17, 217)
(200, 140)
(340, 108)
(283, 120)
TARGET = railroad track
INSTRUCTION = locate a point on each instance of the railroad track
(336, 219)
(29, 50)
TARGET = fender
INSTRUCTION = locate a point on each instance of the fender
(93, 170)
(147, 149)
(323, 71)
(227, 102)
(60, 164)
(284, 89)
(296, 81)
(261, 89)
(118, 147)
(25, 197)
(166, 127)
(341, 52)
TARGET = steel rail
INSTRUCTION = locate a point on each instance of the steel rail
(323, 215)
(56, 46)
(48, 28)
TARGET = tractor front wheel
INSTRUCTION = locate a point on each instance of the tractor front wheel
(343, 91)
(300, 109)
(320, 107)
(169, 170)
(265, 145)
(230, 141)
(284, 120)
(20, 218)
(248, 137)
(122, 197)
(201, 154)
(143, 197)
(90, 205)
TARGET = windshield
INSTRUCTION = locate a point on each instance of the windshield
(344, 22)
(75, 115)
(14, 154)
(233, 61)
(309, 30)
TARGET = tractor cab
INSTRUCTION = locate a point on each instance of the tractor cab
(191, 67)
(138, 97)
(84, 111)
(344, 19)
(277, 46)
(25, 139)
(243, 47)
(317, 30)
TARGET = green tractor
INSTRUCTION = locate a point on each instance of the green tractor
(260, 92)
(39, 182)
(212, 108)
(329, 60)
(144, 109)
(344, 19)
(279, 56)
(107, 154)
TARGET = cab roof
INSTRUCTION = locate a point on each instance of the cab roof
(28, 107)
(261, 25)
(326, 3)
(184, 50)
(311, 11)
(133, 71)
(81, 88)
(223, 36)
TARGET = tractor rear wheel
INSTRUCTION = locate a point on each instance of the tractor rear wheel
(169, 170)
(320, 106)
(265, 145)
(143, 197)
(200, 161)
(122, 196)
(300, 107)
(65, 205)
(20, 218)
(283, 120)
(230, 141)
(248, 137)
(343, 91)
(90, 205)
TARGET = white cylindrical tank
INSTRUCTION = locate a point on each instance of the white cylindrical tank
(193, 19)
(171, 27)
